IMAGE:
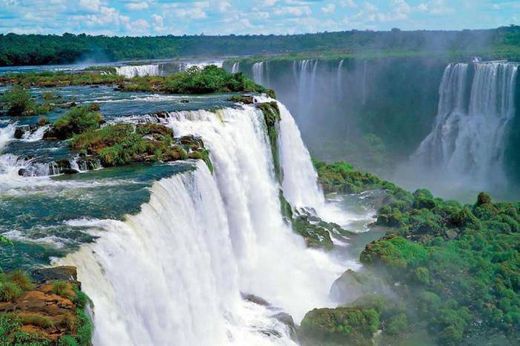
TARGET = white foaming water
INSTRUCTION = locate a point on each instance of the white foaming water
(138, 71)
(6, 135)
(36, 135)
(468, 139)
(235, 68)
(168, 275)
(174, 272)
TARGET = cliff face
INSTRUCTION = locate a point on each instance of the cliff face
(47, 308)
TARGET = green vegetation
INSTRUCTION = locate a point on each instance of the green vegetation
(340, 326)
(77, 120)
(68, 48)
(210, 79)
(13, 285)
(18, 101)
(38, 319)
(457, 265)
(341, 177)
(121, 144)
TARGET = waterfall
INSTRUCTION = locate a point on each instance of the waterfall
(261, 73)
(339, 77)
(6, 135)
(235, 68)
(174, 272)
(138, 71)
(167, 275)
(468, 137)
(304, 72)
(300, 180)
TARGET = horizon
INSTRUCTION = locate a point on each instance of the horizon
(268, 17)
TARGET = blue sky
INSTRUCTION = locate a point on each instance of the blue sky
(160, 17)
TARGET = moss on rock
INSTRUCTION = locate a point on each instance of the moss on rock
(272, 118)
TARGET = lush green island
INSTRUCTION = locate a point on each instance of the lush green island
(445, 273)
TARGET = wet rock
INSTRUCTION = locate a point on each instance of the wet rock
(287, 319)
(255, 299)
(65, 273)
(20, 131)
(245, 99)
(64, 167)
(185, 101)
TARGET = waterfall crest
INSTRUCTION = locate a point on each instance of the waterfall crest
(138, 71)
(468, 138)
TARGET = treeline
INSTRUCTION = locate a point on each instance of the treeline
(68, 48)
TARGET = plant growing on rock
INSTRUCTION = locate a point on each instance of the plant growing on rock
(77, 120)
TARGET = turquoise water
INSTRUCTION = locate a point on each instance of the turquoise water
(37, 213)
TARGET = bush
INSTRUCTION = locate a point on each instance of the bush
(60, 288)
(21, 279)
(36, 320)
(9, 291)
(18, 102)
(76, 121)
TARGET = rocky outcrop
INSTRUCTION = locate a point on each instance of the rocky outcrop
(48, 310)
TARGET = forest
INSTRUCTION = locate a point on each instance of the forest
(503, 42)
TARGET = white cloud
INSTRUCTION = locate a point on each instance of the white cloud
(296, 11)
(92, 5)
(134, 6)
(330, 8)
(348, 3)
(158, 21)
(196, 10)
(270, 2)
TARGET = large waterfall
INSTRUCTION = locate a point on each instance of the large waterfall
(174, 273)
(475, 108)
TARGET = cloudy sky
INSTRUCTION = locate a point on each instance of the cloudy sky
(159, 17)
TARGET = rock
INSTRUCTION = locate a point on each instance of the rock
(20, 131)
(255, 299)
(185, 101)
(66, 273)
(287, 319)
(245, 99)
(352, 285)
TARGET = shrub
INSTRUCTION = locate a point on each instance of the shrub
(9, 291)
(18, 101)
(60, 288)
(21, 279)
(36, 320)
(76, 121)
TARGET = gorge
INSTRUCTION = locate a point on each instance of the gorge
(194, 214)
(360, 104)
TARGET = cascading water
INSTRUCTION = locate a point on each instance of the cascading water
(168, 275)
(304, 72)
(468, 138)
(6, 135)
(138, 71)
(203, 239)
(235, 68)
(261, 73)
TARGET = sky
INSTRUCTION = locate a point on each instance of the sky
(218, 17)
